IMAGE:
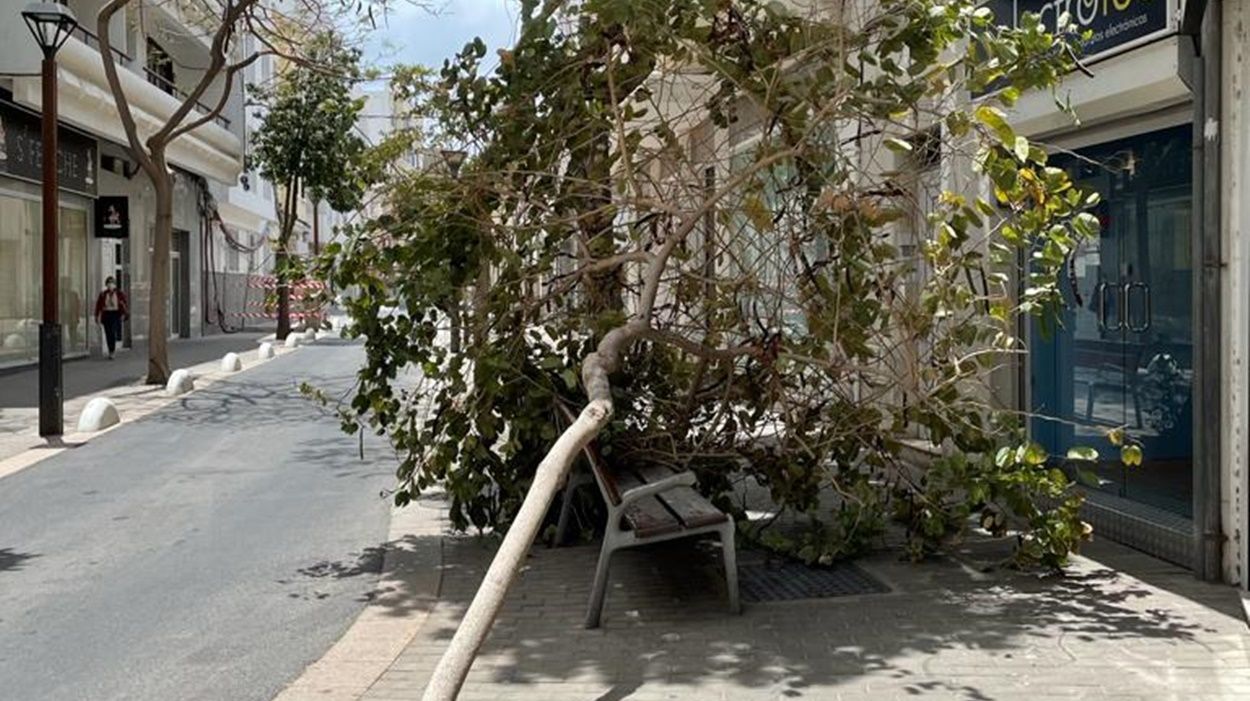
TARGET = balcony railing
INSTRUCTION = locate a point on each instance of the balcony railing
(170, 89)
(156, 79)
(94, 42)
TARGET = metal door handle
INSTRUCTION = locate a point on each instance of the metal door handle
(1148, 315)
(1101, 293)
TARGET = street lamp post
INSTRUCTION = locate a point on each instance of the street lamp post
(51, 24)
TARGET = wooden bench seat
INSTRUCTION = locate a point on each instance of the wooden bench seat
(648, 504)
(679, 508)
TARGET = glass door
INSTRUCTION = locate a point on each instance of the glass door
(1121, 356)
(1079, 388)
(1157, 287)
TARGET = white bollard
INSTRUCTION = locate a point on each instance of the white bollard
(15, 340)
(99, 414)
(180, 382)
(266, 351)
(291, 341)
(231, 362)
(310, 335)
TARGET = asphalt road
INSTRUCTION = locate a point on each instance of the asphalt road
(208, 551)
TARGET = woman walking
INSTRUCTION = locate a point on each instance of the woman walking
(111, 308)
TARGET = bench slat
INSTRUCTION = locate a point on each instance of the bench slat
(645, 517)
(648, 518)
(690, 506)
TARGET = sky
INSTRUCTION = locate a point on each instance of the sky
(412, 34)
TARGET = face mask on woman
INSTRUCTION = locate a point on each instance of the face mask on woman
(109, 286)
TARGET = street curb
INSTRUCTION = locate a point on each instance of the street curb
(133, 402)
(408, 589)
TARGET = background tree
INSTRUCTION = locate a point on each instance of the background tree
(699, 205)
(279, 28)
(307, 145)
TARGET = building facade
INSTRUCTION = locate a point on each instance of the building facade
(1155, 336)
(107, 202)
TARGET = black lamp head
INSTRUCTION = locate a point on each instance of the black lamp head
(454, 159)
(51, 23)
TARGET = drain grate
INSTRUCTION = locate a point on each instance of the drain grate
(789, 581)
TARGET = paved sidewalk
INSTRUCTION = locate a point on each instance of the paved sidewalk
(20, 444)
(1121, 626)
(19, 388)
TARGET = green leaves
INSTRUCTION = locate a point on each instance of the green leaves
(810, 296)
(1021, 149)
(1031, 454)
(308, 138)
(1083, 454)
(899, 145)
(1131, 455)
(996, 121)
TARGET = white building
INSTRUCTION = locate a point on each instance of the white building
(160, 55)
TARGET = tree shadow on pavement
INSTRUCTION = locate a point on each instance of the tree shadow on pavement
(942, 632)
(11, 559)
(368, 561)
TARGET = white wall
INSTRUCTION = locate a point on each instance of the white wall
(1235, 133)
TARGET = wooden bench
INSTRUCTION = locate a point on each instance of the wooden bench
(650, 504)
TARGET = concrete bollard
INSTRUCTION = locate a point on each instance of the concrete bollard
(231, 362)
(15, 340)
(310, 335)
(180, 382)
(99, 414)
(266, 351)
(291, 341)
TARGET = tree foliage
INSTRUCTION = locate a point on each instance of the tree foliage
(308, 145)
(736, 185)
(237, 33)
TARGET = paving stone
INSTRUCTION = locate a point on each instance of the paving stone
(1118, 626)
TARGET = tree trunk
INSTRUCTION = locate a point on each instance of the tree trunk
(158, 298)
(284, 292)
(282, 258)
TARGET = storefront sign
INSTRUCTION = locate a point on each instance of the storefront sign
(1112, 24)
(21, 151)
(112, 218)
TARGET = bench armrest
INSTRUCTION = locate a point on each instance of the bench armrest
(680, 479)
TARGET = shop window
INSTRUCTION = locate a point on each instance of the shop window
(21, 283)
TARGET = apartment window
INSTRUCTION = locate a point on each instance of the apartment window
(160, 67)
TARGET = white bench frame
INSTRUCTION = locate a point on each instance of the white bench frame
(617, 537)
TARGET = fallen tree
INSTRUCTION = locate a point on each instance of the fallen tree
(715, 211)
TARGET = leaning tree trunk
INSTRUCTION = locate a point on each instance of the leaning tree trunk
(158, 297)
(452, 669)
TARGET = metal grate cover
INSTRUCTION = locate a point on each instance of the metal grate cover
(790, 581)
